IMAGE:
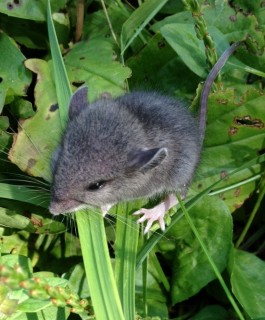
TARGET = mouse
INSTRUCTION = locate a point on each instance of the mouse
(139, 145)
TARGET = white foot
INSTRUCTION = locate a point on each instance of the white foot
(157, 213)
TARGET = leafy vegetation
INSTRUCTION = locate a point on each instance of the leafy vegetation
(209, 263)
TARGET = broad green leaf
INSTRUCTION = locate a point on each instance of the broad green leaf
(183, 40)
(211, 312)
(138, 20)
(14, 77)
(34, 305)
(247, 274)
(234, 25)
(25, 9)
(28, 9)
(11, 219)
(235, 133)
(92, 62)
(191, 269)
(38, 136)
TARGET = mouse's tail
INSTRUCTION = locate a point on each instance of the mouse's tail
(208, 83)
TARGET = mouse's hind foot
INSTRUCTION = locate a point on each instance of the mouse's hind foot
(157, 213)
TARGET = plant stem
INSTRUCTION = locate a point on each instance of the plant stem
(80, 10)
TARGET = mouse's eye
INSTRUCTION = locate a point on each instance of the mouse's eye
(96, 185)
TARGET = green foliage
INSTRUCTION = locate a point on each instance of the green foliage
(157, 45)
(247, 273)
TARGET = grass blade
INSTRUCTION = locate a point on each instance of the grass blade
(24, 194)
(91, 230)
(104, 293)
(138, 20)
(127, 233)
(63, 89)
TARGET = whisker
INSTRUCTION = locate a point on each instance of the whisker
(26, 178)
(37, 188)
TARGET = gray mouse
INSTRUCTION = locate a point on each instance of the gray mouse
(139, 145)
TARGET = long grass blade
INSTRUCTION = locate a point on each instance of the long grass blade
(63, 89)
(101, 281)
(104, 293)
(24, 194)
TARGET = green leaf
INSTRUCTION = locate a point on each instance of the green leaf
(34, 305)
(221, 19)
(38, 136)
(127, 233)
(191, 269)
(92, 62)
(26, 9)
(104, 293)
(77, 279)
(11, 219)
(14, 77)
(247, 274)
(156, 299)
(210, 313)
(183, 40)
(235, 134)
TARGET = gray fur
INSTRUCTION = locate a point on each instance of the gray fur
(142, 144)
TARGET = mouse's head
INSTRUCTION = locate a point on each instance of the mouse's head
(103, 157)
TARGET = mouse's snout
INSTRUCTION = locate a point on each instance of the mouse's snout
(58, 206)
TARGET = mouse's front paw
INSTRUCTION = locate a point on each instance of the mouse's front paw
(155, 214)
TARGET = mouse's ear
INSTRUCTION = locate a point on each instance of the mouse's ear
(144, 160)
(78, 102)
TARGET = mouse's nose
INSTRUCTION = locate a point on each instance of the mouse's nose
(59, 206)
